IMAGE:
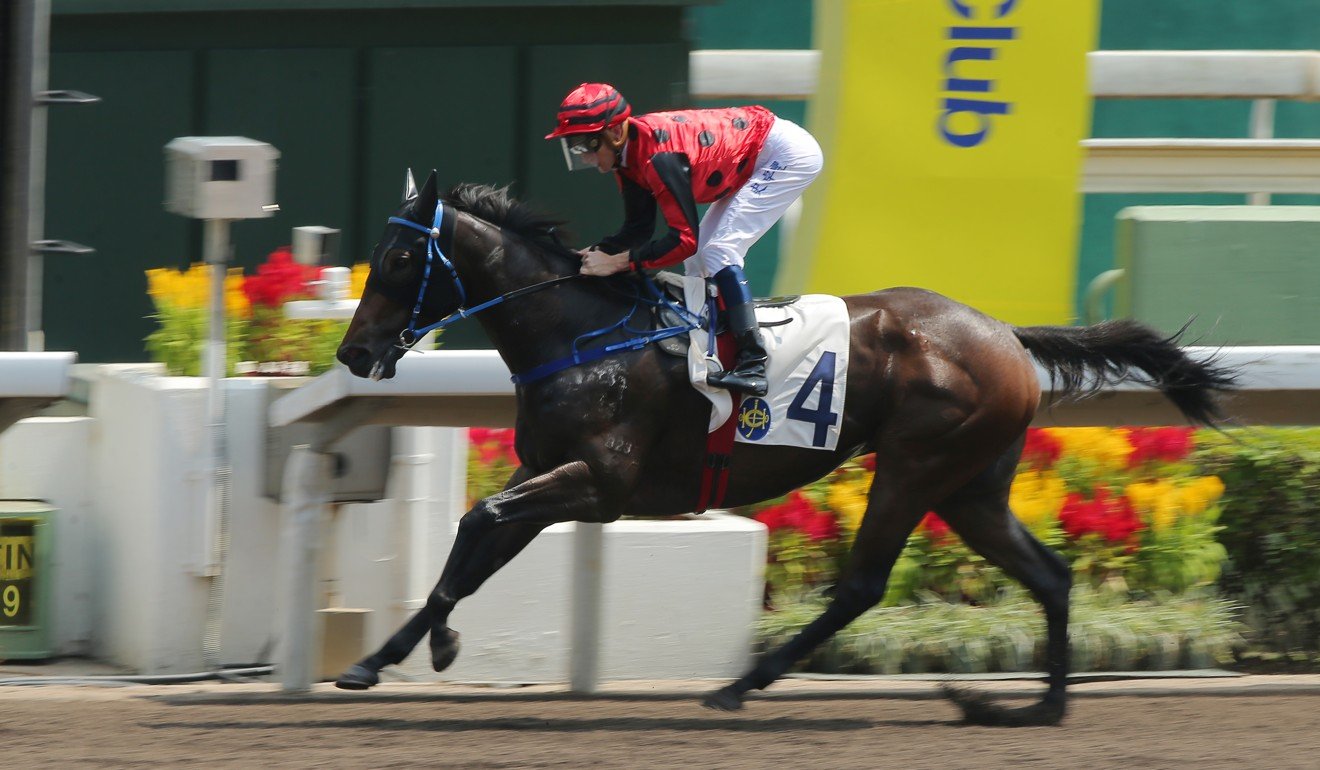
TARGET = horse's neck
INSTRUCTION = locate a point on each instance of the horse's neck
(541, 326)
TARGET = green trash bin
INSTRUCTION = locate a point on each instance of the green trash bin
(25, 579)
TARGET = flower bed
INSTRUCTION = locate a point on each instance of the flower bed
(1124, 505)
(256, 330)
(1141, 514)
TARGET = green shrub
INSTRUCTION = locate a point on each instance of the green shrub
(1270, 523)
(1108, 632)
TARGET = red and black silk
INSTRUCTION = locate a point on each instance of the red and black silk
(674, 161)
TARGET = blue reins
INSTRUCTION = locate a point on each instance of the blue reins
(409, 336)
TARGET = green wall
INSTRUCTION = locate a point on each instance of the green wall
(350, 98)
(1191, 24)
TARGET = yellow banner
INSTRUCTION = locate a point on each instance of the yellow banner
(951, 131)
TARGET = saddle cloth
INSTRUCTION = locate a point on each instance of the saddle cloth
(807, 341)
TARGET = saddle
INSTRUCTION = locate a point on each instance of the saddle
(663, 316)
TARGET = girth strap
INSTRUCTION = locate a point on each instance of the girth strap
(719, 444)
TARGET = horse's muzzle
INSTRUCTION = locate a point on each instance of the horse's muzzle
(359, 360)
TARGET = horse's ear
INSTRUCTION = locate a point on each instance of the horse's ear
(409, 187)
(424, 205)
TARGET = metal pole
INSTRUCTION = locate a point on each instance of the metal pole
(216, 526)
(18, 26)
(584, 640)
(36, 337)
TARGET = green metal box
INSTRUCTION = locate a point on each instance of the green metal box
(26, 527)
(1249, 274)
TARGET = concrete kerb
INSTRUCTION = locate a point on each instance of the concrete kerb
(795, 688)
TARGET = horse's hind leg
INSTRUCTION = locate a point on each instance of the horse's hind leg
(979, 513)
(892, 513)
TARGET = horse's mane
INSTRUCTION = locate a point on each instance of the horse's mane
(496, 206)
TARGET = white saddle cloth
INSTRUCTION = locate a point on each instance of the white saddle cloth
(808, 372)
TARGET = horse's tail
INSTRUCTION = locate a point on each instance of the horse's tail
(1083, 359)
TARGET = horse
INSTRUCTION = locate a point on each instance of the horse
(940, 392)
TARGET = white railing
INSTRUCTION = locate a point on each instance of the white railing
(1295, 75)
(31, 381)
(1259, 165)
(460, 388)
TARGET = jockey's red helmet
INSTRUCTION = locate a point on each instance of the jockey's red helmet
(589, 108)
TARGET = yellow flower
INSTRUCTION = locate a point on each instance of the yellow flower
(1162, 501)
(1108, 447)
(848, 500)
(1036, 497)
(236, 302)
(358, 280)
(1212, 487)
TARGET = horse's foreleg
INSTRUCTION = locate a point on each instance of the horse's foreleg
(486, 551)
(489, 536)
(987, 525)
(885, 528)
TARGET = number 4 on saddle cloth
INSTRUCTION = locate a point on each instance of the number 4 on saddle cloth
(807, 341)
(806, 338)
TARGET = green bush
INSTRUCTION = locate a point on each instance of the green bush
(1108, 632)
(1270, 523)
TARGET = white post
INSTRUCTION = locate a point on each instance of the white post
(215, 522)
(584, 640)
(306, 479)
(1262, 127)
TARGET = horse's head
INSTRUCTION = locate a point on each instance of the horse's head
(411, 285)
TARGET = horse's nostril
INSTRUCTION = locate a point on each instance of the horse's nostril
(354, 357)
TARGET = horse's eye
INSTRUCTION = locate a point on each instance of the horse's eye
(399, 259)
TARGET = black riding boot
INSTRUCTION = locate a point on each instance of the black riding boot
(748, 372)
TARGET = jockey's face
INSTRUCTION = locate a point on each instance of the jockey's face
(605, 158)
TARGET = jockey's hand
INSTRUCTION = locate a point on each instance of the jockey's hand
(597, 262)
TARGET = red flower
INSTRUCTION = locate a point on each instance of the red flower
(867, 462)
(1041, 450)
(797, 512)
(933, 527)
(1113, 518)
(279, 279)
(494, 444)
(1170, 444)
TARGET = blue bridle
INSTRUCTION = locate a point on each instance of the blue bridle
(434, 253)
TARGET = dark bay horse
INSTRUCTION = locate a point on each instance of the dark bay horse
(941, 393)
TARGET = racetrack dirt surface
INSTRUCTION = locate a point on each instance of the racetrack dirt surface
(171, 727)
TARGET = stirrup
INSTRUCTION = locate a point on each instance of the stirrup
(750, 383)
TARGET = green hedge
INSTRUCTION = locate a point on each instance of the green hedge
(1271, 531)
(1107, 632)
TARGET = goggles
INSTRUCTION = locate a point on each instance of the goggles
(579, 149)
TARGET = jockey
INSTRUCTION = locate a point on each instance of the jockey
(747, 163)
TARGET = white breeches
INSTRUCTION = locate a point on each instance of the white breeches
(787, 164)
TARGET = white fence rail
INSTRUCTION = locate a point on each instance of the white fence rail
(1295, 75)
(459, 388)
(1279, 386)
(1258, 166)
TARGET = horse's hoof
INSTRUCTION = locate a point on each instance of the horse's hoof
(357, 677)
(723, 699)
(444, 648)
